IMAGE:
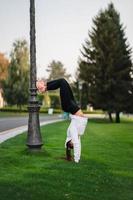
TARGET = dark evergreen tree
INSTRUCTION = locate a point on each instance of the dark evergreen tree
(106, 63)
(80, 90)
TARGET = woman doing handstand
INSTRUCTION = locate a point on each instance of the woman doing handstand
(78, 120)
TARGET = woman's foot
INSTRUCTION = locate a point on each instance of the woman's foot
(79, 113)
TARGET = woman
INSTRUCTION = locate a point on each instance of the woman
(78, 120)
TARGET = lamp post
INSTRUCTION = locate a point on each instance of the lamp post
(34, 140)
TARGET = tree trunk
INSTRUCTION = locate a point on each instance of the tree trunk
(117, 119)
(110, 116)
(20, 107)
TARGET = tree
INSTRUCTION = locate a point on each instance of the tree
(106, 63)
(80, 90)
(4, 63)
(15, 87)
(57, 70)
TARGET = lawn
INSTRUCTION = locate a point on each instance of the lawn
(12, 114)
(104, 173)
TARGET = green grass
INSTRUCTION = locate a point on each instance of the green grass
(104, 173)
(17, 114)
(12, 114)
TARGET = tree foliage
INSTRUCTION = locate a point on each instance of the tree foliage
(106, 64)
(15, 87)
(80, 90)
(57, 70)
(4, 63)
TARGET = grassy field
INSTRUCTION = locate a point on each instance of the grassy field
(17, 114)
(104, 173)
(12, 114)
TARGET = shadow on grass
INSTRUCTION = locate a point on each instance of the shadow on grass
(99, 120)
(106, 120)
(36, 153)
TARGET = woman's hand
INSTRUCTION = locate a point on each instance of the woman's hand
(41, 86)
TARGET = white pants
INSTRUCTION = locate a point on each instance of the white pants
(74, 131)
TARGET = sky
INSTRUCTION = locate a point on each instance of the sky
(61, 27)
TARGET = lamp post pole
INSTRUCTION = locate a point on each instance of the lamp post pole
(34, 140)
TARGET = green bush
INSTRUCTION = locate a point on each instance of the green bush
(14, 109)
(25, 109)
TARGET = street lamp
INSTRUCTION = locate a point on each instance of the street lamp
(34, 140)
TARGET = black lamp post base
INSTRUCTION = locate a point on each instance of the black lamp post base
(34, 139)
(34, 147)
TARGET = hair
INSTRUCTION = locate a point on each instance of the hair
(69, 144)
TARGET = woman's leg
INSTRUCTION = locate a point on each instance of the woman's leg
(67, 99)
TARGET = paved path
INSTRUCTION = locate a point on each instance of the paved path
(7, 123)
(4, 135)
